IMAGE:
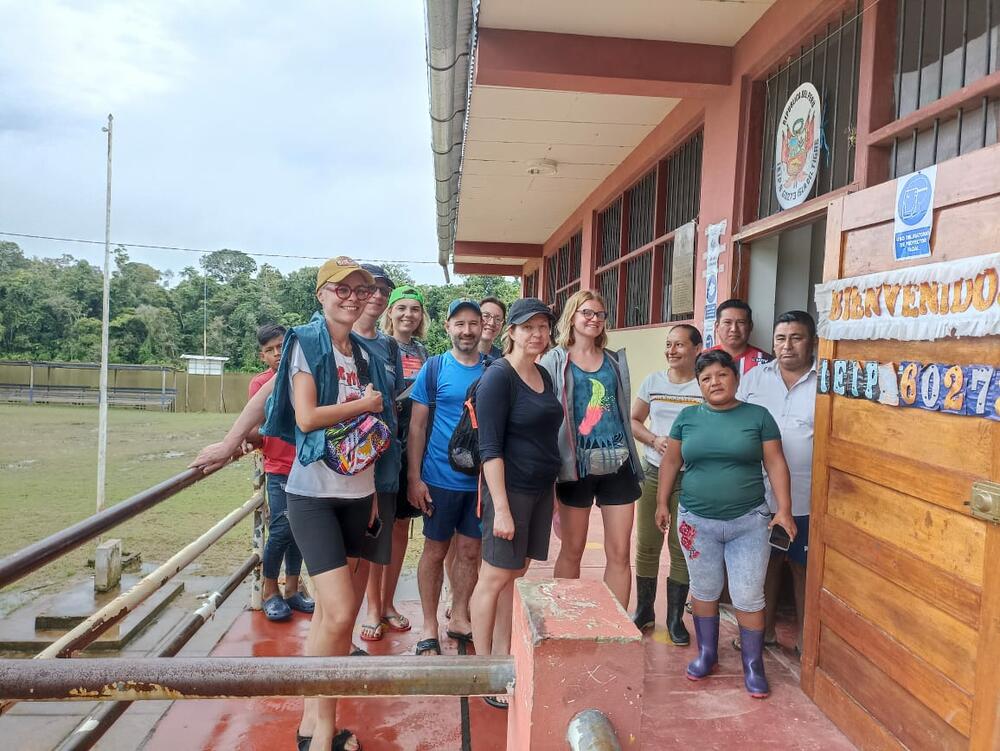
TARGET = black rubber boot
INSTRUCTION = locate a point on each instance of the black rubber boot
(645, 595)
(676, 597)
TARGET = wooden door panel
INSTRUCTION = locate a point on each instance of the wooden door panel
(951, 542)
(906, 570)
(938, 637)
(959, 232)
(853, 719)
(902, 634)
(897, 709)
(903, 474)
(936, 441)
(925, 682)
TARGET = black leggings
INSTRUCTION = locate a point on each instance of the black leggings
(328, 531)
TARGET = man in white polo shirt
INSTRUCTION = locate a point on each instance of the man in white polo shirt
(786, 386)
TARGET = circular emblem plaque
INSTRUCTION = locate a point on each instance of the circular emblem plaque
(797, 146)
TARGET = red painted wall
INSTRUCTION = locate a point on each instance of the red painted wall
(774, 37)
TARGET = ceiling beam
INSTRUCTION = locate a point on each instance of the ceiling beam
(493, 269)
(600, 65)
(497, 250)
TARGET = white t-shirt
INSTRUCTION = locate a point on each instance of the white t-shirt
(317, 480)
(666, 399)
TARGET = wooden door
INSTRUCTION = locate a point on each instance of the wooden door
(902, 636)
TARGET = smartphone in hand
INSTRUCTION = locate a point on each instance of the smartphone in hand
(779, 538)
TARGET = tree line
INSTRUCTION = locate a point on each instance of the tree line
(50, 308)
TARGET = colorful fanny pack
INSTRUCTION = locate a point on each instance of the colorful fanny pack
(354, 445)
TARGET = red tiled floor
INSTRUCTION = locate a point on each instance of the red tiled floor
(677, 713)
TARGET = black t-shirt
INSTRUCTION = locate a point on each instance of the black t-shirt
(520, 426)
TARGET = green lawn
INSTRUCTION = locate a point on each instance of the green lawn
(48, 477)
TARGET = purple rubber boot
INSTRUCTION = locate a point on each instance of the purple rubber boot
(706, 631)
(751, 649)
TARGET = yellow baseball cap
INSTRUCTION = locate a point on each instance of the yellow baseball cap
(339, 268)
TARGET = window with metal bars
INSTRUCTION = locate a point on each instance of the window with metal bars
(531, 284)
(637, 272)
(830, 62)
(941, 47)
(562, 273)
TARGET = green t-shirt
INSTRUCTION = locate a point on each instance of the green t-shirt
(722, 452)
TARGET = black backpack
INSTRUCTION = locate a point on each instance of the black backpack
(463, 448)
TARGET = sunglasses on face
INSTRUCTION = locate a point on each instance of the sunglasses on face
(381, 289)
(600, 315)
(343, 291)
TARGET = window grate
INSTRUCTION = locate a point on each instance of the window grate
(831, 63)
(531, 284)
(609, 224)
(638, 275)
(683, 199)
(607, 284)
(942, 46)
(641, 210)
(562, 273)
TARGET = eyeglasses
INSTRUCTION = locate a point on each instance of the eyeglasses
(600, 315)
(343, 291)
(490, 318)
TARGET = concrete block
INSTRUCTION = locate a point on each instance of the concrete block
(574, 648)
(108, 565)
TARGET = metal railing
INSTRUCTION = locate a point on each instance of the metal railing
(173, 678)
(116, 683)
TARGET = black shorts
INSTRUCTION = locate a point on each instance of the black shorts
(532, 512)
(608, 490)
(404, 509)
(328, 531)
(379, 549)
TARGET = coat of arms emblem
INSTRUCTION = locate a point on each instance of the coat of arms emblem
(797, 146)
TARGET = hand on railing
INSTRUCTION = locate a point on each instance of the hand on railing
(217, 455)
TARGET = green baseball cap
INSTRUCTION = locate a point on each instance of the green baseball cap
(405, 292)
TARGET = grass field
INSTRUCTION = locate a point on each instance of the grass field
(48, 477)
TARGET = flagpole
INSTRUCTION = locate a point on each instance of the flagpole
(102, 419)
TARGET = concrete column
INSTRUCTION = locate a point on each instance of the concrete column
(574, 648)
(108, 565)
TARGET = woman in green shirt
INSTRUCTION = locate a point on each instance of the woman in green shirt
(723, 518)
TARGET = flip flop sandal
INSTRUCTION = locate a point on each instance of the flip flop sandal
(398, 623)
(375, 631)
(495, 702)
(427, 647)
(340, 741)
(459, 636)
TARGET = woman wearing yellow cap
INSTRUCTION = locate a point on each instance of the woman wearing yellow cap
(323, 380)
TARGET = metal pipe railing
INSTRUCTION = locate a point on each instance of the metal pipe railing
(18, 565)
(591, 730)
(172, 678)
(90, 629)
(92, 727)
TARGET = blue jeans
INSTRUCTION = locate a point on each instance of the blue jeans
(280, 543)
(738, 547)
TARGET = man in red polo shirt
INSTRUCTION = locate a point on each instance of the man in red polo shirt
(733, 324)
(278, 459)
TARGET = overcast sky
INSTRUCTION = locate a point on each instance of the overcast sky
(295, 128)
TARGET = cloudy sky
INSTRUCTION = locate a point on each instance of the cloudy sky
(296, 128)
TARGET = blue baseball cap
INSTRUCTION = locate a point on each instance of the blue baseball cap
(463, 302)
